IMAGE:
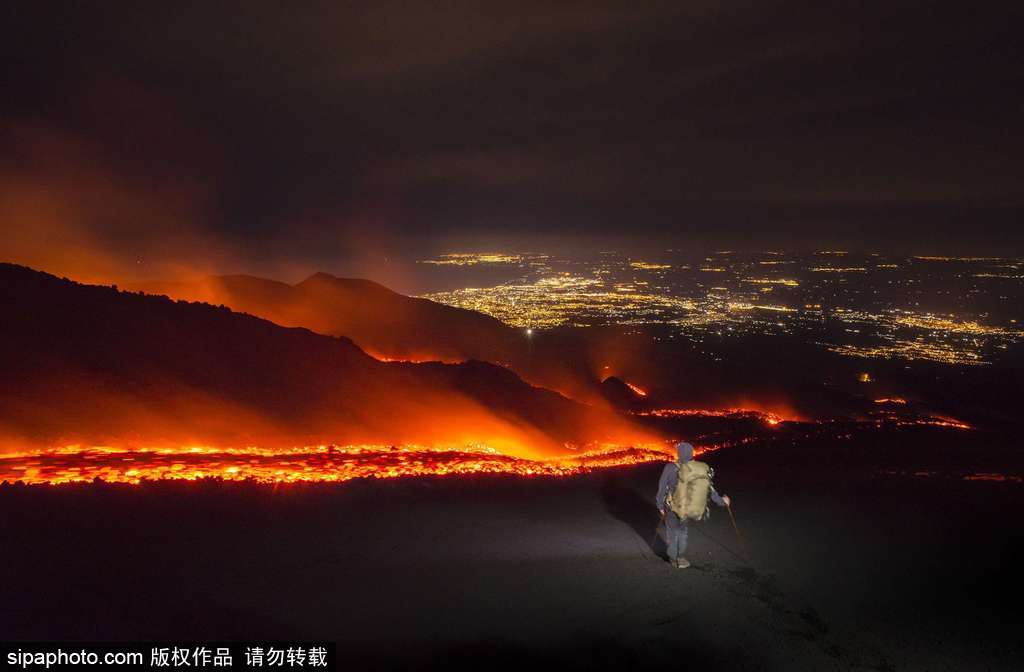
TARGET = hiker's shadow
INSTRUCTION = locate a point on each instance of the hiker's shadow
(638, 512)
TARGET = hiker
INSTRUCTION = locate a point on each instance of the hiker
(682, 499)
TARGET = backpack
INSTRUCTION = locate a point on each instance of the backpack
(689, 498)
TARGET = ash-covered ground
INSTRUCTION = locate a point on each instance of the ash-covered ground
(850, 565)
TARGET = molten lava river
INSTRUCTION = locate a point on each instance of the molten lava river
(337, 463)
(325, 463)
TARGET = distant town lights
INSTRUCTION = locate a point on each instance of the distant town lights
(615, 290)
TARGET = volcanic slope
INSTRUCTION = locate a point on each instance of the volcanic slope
(380, 320)
(91, 363)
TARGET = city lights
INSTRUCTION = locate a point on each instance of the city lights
(871, 310)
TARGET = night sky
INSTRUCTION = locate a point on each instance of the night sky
(263, 137)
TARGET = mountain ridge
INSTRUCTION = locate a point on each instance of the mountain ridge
(93, 362)
(401, 327)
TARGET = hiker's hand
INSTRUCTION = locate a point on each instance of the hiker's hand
(662, 512)
(725, 498)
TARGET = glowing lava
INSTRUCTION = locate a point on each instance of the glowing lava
(774, 419)
(636, 389)
(306, 464)
(335, 464)
(736, 413)
(936, 421)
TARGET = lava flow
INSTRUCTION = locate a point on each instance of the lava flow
(325, 463)
(771, 419)
(735, 413)
(636, 389)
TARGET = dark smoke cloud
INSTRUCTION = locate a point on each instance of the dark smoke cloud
(283, 141)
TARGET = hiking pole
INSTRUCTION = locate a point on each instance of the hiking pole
(743, 546)
(654, 541)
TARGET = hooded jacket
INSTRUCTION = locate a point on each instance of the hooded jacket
(671, 472)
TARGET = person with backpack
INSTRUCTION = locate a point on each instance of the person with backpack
(683, 491)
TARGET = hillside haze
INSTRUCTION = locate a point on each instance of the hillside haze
(392, 326)
(91, 363)
(379, 320)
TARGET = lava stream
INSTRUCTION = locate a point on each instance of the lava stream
(735, 413)
(325, 463)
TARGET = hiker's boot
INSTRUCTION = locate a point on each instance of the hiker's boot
(682, 563)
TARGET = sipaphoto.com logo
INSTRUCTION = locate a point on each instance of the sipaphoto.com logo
(59, 658)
